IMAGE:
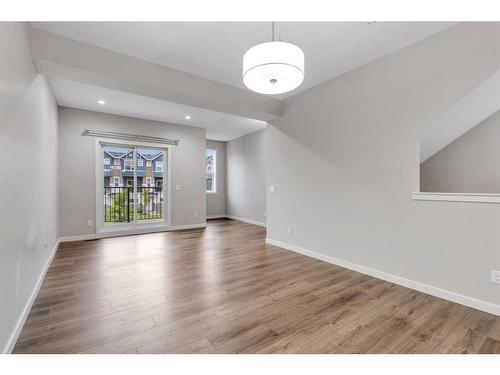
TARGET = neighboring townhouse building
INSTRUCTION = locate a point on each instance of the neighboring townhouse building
(210, 170)
(150, 169)
(119, 169)
(113, 166)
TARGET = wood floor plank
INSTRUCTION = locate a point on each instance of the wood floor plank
(222, 289)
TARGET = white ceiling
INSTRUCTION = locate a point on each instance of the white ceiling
(219, 126)
(214, 50)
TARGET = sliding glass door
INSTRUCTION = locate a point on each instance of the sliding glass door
(132, 186)
(150, 202)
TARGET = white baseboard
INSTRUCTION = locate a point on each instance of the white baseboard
(216, 217)
(86, 237)
(189, 226)
(412, 284)
(259, 223)
(29, 304)
(82, 237)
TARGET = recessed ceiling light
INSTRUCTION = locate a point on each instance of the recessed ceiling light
(187, 117)
(101, 102)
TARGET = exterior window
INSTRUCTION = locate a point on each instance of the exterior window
(116, 162)
(148, 163)
(129, 164)
(159, 182)
(148, 181)
(130, 183)
(140, 162)
(159, 166)
(116, 181)
(106, 161)
(211, 158)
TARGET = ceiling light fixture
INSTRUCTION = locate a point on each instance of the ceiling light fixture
(101, 102)
(274, 67)
(187, 117)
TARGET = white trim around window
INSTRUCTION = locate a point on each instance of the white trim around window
(128, 165)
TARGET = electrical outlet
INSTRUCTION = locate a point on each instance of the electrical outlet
(45, 243)
(495, 277)
(89, 222)
(177, 187)
(289, 231)
(272, 188)
(196, 214)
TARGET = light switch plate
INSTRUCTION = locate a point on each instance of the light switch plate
(177, 187)
(272, 188)
(495, 277)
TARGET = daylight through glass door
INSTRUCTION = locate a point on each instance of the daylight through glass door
(134, 185)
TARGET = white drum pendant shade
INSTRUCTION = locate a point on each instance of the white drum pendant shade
(273, 67)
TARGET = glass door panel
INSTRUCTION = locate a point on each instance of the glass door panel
(118, 184)
(151, 173)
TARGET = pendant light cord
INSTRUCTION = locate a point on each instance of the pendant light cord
(274, 39)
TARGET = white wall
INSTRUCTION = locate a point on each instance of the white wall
(216, 202)
(246, 177)
(77, 167)
(470, 164)
(345, 158)
(28, 175)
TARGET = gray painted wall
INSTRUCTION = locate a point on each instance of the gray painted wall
(77, 169)
(345, 158)
(470, 164)
(216, 202)
(246, 177)
(28, 172)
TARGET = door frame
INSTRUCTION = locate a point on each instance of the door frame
(130, 228)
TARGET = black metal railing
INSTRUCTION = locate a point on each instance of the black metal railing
(149, 203)
(119, 204)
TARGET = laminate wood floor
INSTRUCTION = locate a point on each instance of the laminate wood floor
(223, 290)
